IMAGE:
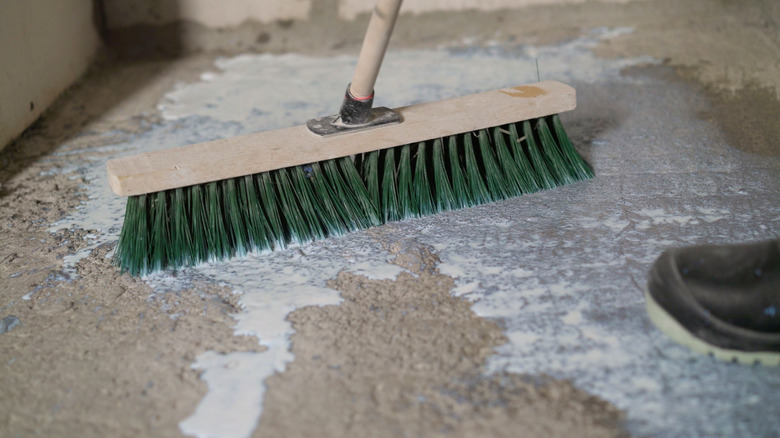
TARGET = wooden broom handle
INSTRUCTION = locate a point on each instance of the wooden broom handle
(380, 27)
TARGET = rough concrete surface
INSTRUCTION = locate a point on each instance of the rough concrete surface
(519, 318)
(410, 358)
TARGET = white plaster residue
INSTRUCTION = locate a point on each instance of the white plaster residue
(573, 317)
(271, 285)
(263, 91)
(465, 289)
(271, 91)
(225, 390)
(614, 223)
(456, 268)
(646, 384)
(660, 216)
(710, 215)
(518, 338)
(375, 271)
(519, 273)
(492, 270)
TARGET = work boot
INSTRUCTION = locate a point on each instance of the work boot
(722, 300)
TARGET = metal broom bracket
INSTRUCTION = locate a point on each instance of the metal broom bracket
(356, 109)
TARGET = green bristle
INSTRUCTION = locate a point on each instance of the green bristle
(213, 221)
(577, 164)
(129, 254)
(132, 250)
(160, 224)
(296, 225)
(234, 221)
(524, 166)
(389, 192)
(422, 204)
(514, 178)
(479, 193)
(216, 235)
(270, 203)
(349, 208)
(543, 175)
(180, 241)
(359, 161)
(257, 226)
(304, 193)
(445, 199)
(328, 209)
(460, 188)
(369, 210)
(370, 170)
(405, 183)
(555, 161)
(200, 245)
(496, 183)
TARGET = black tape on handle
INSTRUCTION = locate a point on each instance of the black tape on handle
(356, 111)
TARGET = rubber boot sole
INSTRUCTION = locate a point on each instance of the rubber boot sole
(681, 335)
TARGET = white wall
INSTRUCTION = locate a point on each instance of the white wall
(44, 46)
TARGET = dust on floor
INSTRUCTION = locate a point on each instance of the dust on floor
(410, 358)
(99, 353)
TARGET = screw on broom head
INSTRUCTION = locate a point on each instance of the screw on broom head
(185, 226)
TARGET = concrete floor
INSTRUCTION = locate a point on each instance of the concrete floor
(552, 282)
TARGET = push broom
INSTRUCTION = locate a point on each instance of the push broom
(360, 168)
